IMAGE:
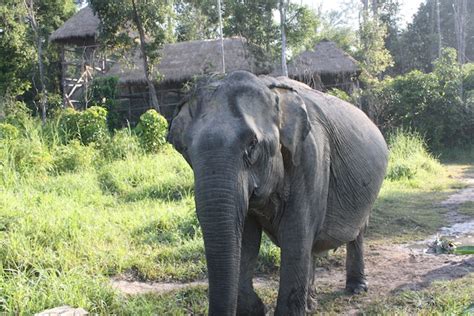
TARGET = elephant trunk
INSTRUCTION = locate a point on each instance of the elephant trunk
(220, 212)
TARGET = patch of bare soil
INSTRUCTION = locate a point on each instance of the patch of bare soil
(390, 268)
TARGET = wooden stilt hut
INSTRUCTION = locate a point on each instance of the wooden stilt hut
(81, 58)
(326, 67)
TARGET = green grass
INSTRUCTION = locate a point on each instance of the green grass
(71, 217)
(467, 209)
(440, 298)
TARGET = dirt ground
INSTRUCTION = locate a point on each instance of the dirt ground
(390, 268)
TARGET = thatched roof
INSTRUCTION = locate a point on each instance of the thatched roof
(81, 27)
(184, 60)
(326, 58)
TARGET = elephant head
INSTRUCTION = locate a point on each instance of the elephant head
(239, 134)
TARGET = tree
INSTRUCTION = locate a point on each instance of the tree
(283, 8)
(13, 31)
(25, 27)
(38, 41)
(150, 19)
(374, 56)
(438, 24)
(251, 19)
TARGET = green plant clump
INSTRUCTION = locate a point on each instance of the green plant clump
(89, 126)
(409, 157)
(151, 131)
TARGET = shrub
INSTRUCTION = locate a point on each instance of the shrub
(93, 125)
(409, 157)
(8, 131)
(29, 156)
(69, 123)
(89, 126)
(72, 157)
(122, 145)
(151, 131)
(15, 112)
(104, 93)
(341, 94)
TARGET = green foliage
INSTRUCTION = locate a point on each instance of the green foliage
(8, 131)
(409, 157)
(373, 54)
(122, 145)
(89, 126)
(341, 94)
(429, 103)
(254, 20)
(419, 42)
(104, 93)
(117, 18)
(72, 157)
(152, 130)
(301, 27)
(16, 53)
(15, 112)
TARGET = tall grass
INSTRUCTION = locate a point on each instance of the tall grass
(409, 157)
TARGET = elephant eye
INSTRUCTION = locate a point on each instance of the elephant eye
(250, 156)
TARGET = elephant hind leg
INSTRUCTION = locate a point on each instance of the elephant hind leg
(248, 302)
(356, 281)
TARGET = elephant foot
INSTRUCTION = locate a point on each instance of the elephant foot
(250, 304)
(357, 287)
(311, 302)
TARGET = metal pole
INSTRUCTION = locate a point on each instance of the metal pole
(221, 34)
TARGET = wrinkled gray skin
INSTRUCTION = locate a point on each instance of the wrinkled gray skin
(271, 154)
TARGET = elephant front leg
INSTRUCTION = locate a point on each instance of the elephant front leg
(356, 281)
(248, 302)
(295, 277)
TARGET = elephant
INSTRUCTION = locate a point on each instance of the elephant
(273, 155)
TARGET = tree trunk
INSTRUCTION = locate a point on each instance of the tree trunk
(460, 10)
(283, 7)
(438, 29)
(146, 67)
(43, 94)
(460, 15)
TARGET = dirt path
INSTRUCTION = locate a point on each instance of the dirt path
(391, 268)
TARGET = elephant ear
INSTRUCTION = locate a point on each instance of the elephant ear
(177, 130)
(294, 121)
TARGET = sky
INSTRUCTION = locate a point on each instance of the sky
(408, 7)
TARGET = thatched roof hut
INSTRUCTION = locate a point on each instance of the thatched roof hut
(326, 58)
(81, 29)
(327, 66)
(182, 61)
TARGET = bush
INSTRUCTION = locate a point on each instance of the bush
(8, 131)
(29, 156)
(93, 125)
(151, 131)
(409, 157)
(122, 145)
(341, 94)
(429, 103)
(15, 112)
(104, 93)
(89, 126)
(72, 157)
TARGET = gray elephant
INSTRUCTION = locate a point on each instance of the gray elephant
(272, 154)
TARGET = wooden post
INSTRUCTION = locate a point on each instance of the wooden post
(63, 76)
